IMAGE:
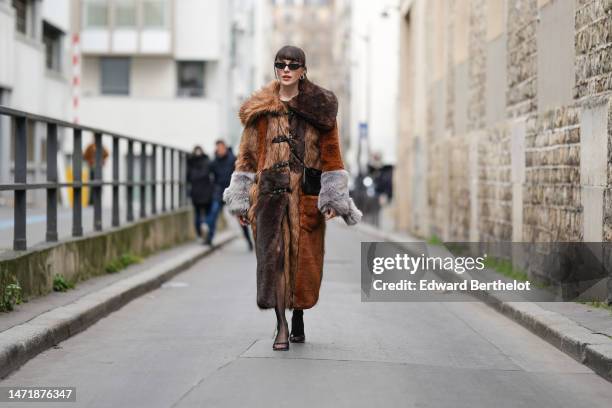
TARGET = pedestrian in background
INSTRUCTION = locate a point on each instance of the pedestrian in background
(222, 167)
(90, 158)
(199, 177)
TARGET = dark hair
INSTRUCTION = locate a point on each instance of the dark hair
(197, 147)
(291, 52)
(220, 141)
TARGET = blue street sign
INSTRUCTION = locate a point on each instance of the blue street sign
(363, 130)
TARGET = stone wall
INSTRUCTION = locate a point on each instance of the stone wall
(607, 211)
(477, 67)
(522, 48)
(459, 189)
(494, 186)
(437, 189)
(521, 155)
(551, 201)
(450, 89)
(593, 47)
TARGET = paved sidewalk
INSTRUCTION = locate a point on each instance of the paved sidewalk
(582, 331)
(200, 341)
(39, 305)
(47, 320)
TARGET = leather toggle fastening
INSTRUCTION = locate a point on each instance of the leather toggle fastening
(280, 190)
(280, 164)
(280, 139)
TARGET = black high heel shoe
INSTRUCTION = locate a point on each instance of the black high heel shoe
(280, 346)
(297, 327)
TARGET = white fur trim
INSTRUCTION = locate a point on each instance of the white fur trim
(335, 194)
(236, 196)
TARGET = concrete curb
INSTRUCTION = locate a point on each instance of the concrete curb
(22, 342)
(594, 350)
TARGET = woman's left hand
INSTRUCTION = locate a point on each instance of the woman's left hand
(330, 213)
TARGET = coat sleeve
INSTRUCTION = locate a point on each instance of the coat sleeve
(236, 195)
(334, 179)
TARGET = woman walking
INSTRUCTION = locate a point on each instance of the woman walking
(289, 179)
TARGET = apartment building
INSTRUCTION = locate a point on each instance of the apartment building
(156, 69)
(34, 75)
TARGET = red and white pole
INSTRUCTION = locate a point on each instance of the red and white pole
(76, 76)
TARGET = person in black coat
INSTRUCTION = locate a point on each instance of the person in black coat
(222, 168)
(199, 177)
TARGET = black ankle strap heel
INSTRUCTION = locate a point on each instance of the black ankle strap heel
(297, 327)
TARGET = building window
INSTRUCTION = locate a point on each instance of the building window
(125, 13)
(115, 76)
(96, 14)
(190, 78)
(52, 38)
(154, 13)
(21, 15)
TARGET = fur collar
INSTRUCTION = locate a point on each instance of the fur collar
(313, 103)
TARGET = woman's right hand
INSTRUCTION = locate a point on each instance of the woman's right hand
(243, 220)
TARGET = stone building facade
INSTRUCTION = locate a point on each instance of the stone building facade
(506, 120)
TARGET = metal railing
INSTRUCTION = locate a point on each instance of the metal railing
(177, 176)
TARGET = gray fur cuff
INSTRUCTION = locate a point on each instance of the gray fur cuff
(335, 194)
(236, 196)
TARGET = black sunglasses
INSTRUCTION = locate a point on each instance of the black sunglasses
(292, 66)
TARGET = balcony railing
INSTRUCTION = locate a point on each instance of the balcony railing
(170, 180)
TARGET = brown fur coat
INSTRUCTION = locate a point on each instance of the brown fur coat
(289, 226)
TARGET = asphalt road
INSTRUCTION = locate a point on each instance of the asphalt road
(202, 342)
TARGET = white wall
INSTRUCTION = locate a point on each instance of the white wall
(150, 77)
(153, 78)
(57, 12)
(201, 31)
(7, 30)
(33, 88)
(198, 29)
(261, 43)
(176, 122)
(90, 76)
(22, 64)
